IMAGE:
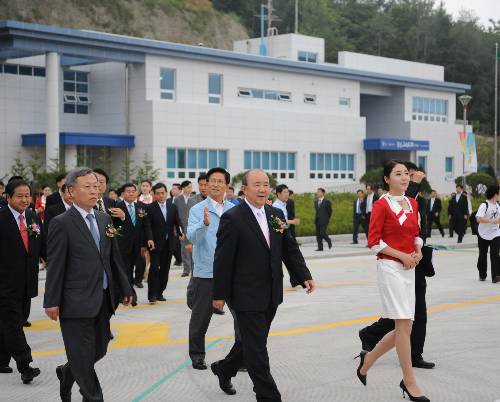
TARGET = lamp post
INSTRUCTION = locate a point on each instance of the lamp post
(464, 100)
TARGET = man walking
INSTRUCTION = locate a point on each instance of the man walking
(83, 267)
(183, 204)
(458, 212)
(433, 213)
(359, 216)
(252, 244)
(370, 199)
(323, 209)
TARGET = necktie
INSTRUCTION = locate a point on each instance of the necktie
(261, 219)
(24, 232)
(100, 206)
(95, 236)
(131, 211)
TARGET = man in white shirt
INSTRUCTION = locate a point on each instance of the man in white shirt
(371, 197)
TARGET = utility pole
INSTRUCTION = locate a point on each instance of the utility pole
(297, 17)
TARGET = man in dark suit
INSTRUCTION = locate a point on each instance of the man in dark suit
(371, 197)
(58, 208)
(83, 265)
(163, 219)
(174, 192)
(56, 196)
(21, 246)
(133, 233)
(3, 201)
(252, 243)
(106, 204)
(433, 212)
(323, 209)
(359, 216)
(458, 213)
(290, 207)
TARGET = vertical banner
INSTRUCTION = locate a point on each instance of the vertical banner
(470, 152)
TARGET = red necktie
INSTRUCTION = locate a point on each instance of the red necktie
(24, 232)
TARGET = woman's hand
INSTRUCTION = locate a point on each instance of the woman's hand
(418, 256)
(408, 260)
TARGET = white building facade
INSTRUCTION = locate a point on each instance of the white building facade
(85, 96)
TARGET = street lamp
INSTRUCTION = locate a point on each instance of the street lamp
(464, 100)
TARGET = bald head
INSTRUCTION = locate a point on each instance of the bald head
(256, 187)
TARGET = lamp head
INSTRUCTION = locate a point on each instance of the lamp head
(464, 100)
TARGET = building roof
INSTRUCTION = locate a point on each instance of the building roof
(21, 39)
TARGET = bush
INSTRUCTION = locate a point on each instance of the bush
(374, 176)
(475, 179)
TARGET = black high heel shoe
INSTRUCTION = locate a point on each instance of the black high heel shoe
(362, 377)
(412, 398)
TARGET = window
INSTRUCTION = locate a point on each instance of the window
(345, 102)
(422, 163)
(308, 57)
(311, 99)
(265, 94)
(10, 69)
(448, 168)
(190, 162)
(279, 164)
(76, 92)
(167, 83)
(327, 165)
(429, 109)
(25, 70)
(214, 88)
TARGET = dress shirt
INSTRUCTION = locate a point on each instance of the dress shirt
(186, 198)
(432, 203)
(163, 208)
(16, 216)
(320, 200)
(219, 208)
(66, 206)
(260, 215)
(369, 203)
(457, 197)
(84, 214)
(358, 206)
(282, 206)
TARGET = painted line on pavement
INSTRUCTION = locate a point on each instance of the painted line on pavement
(170, 375)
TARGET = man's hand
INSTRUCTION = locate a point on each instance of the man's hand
(218, 304)
(466, 217)
(182, 237)
(117, 213)
(127, 300)
(189, 248)
(52, 313)
(206, 217)
(310, 286)
(151, 244)
(418, 176)
(436, 214)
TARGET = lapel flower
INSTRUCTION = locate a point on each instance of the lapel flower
(33, 230)
(141, 212)
(277, 224)
(111, 231)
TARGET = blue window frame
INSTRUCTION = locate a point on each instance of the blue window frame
(330, 166)
(279, 164)
(247, 160)
(188, 162)
(76, 91)
(202, 159)
(167, 83)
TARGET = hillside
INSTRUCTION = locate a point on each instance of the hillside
(183, 21)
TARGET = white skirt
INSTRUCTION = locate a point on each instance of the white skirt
(397, 289)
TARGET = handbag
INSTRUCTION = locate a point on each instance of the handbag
(426, 262)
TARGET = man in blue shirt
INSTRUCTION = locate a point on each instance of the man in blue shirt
(203, 223)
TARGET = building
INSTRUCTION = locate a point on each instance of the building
(86, 96)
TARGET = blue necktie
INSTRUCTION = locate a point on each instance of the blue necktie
(131, 211)
(95, 236)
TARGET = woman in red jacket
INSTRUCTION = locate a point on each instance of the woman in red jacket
(40, 202)
(394, 237)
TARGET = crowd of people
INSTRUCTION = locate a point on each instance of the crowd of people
(98, 248)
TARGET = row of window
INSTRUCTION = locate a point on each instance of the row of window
(187, 163)
(429, 109)
(308, 57)
(17, 69)
(279, 164)
(331, 166)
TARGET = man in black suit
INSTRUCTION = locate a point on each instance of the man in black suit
(83, 265)
(21, 246)
(106, 204)
(56, 196)
(163, 218)
(252, 243)
(174, 192)
(359, 216)
(433, 212)
(133, 233)
(458, 212)
(58, 208)
(371, 197)
(290, 208)
(323, 209)
(3, 201)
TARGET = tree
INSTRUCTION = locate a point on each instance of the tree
(147, 170)
(237, 179)
(19, 168)
(374, 177)
(476, 181)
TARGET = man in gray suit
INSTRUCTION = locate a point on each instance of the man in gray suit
(183, 204)
(84, 271)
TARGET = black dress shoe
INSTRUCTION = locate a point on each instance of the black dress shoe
(482, 279)
(64, 387)
(27, 324)
(6, 370)
(184, 274)
(29, 374)
(199, 364)
(330, 246)
(152, 300)
(495, 279)
(178, 263)
(139, 285)
(161, 298)
(219, 312)
(354, 242)
(362, 377)
(423, 364)
(224, 382)
(319, 249)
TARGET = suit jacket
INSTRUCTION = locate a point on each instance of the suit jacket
(323, 212)
(362, 207)
(53, 199)
(18, 267)
(75, 266)
(158, 229)
(460, 209)
(290, 209)
(248, 274)
(50, 213)
(183, 209)
(3, 202)
(133, 236)
(436, 208)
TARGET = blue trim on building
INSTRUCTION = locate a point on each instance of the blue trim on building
(88, 139)
(40, 39)
(394, 144)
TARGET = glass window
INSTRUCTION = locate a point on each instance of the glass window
(202, 159)
(214, 84)
(258, 93)
(312, 161)
(302, 56)
(291, 161)
(167, 95)
(212, 159)
(328, 161)
(414, 105)
(445, 111)
(167, 78)
(343, 162)
(350, 162)
(345, 102)
(448, 165)
(81, 76)
(265, 160)
(312, 57)
(69, 75)
(283, 161)
(271, 95)
(223, 159)
(69, 108)
(69, 87)
(10, 68)
(82, 109)
(320, 162)
(335, 162)
(39, 72)
(420, 105)
(214, 99)
(274, 160)
(426, 105)
(192, 159)
(171, 158)
(84, 88)
(422, 162)
(247, 160)
(256, 160)
(25, 70)
(181, 158)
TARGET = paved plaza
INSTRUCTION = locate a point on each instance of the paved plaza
(312, 345)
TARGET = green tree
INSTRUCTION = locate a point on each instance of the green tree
(375, 177)
(147, 171)
(237, 180)
(19, 168)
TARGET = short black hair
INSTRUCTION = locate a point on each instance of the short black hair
(231, 188)
(389, 167)
(290, 192)
(63, 188)
(240, 193)
(185, 183)
(322, 190)
(147, 181)
(43, 186)
(15, 178)
(60, 177)
(491, 191)
(410, 165)
(226, 174)
(102, 173)
(157, 186)
(459, 185)
(10, 189)
(433, 191)
(127, 185)
(176, 185)
(280, 188)
(202, 176)
(359, 191)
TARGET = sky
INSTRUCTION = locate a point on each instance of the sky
(484, 9)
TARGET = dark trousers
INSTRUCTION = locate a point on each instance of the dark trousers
(367, 223)
(451, 226)
(86, 342)
(322, 235)
(482, 261)
(459, 225)
(375, 332)
(201, 314)
(12, 338)
(431, 219)
(177, 250)
(132, 259)
(158, 272)
(254, 328)
(358, 220)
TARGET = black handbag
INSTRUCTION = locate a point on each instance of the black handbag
(426, 263)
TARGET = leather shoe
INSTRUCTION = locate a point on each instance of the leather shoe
(184, 274)
(482, 279)
(219, 312)
(496, 279)
(423, 364)
(139, 285)
(152, 300)
(161, 298)
(6, 370)
(29, 374)
(199, 364)
(64, 389)
(319, 249)
(224, 382)
(27, 324)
